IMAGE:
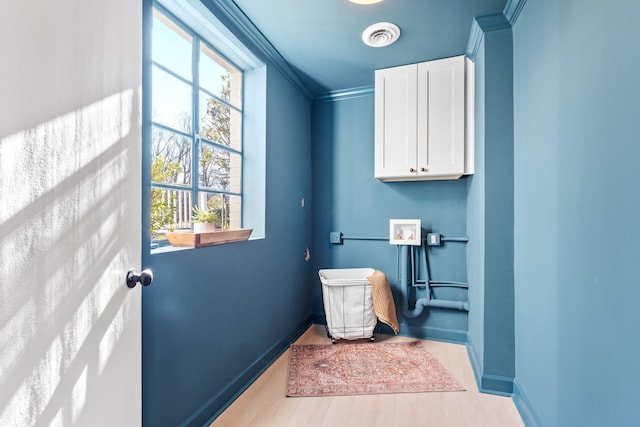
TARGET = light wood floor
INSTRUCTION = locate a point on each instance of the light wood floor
(264, 402)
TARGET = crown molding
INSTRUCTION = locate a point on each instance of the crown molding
(475, 38)
(512, 10)
(494, 22)
(480, 26)
(233, 14)
(344, 94)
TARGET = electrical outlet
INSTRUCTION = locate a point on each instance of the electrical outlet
(433, 239)
(335, 237)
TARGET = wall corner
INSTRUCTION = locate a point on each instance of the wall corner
(512, 10)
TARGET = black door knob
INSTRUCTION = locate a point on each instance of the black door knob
(133, 277)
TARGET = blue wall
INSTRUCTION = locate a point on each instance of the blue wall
(476, 226)
(215, 316)
(499, 351)
(490, 212)
(576, 212)
(347, 198)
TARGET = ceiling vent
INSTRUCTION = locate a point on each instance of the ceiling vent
(381, 34)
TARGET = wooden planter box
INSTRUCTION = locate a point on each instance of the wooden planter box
(198, 240)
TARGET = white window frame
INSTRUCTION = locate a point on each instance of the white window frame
(198, 21)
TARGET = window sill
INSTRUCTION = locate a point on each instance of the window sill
(197, 240)
(189, 240)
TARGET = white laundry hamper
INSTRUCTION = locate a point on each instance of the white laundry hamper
(348, 304)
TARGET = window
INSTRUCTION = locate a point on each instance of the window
(196, 130)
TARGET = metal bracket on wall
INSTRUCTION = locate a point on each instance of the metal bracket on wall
(335, 237)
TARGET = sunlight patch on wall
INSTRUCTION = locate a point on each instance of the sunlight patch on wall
(60, 234)
(79, 395)
(38, 165)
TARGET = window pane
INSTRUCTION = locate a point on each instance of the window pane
(218, 98)
(171, 46)
(219, 170)
(220, 78)
(170, 158)
(228, 208)
(170, 210)
(220, 123)
(171, 101)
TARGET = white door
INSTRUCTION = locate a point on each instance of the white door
(70, 330)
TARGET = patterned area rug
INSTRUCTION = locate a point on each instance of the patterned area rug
(365, 368)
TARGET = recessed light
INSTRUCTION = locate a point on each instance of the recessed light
(365, 1)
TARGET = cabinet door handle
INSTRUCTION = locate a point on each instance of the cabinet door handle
(423, 169)
(412, 170)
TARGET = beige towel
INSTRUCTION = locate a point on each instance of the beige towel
(383, 304)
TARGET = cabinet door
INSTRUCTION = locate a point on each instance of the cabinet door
(440, 145)
(395, 122)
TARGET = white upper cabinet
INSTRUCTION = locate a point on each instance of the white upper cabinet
(396, 121)
(420, 121)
